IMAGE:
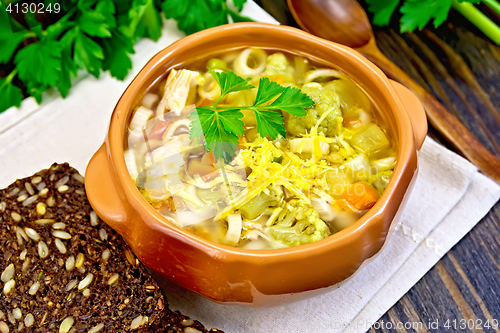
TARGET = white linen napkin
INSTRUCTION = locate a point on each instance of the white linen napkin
(449, 198)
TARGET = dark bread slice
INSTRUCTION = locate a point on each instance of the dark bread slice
(121, 295)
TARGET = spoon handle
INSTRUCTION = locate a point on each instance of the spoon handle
(440, 118)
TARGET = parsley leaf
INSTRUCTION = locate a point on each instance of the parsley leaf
(230, 82)
(68, 69)
(10, 95)
(87, 53)
(39, 63)
(293, 101)
(416, 14)
(239, 4)
(267, 91)
(145, 20)
(196, 15)
(383, 10)
(270, 123)
(221, 125)
(98, 22)
(116, 58)
(9, 41)
(221, 130)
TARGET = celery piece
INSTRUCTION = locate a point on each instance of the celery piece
(216, 63)
(257, 205)
(369, 139)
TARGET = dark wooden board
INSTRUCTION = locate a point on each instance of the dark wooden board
(461, 68)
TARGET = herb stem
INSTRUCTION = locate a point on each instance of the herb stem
(8, 78)
(480, 20)
(493, 4)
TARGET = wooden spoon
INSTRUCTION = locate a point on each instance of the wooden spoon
(345, 22)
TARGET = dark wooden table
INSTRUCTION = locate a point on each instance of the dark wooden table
(461, 67)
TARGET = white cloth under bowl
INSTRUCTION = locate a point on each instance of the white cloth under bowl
(449, 198)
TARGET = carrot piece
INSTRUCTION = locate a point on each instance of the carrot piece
(241, 142)
(360, 196)
(205, 102)
(277, 78)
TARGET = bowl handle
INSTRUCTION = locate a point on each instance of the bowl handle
(102, 192)
(415, 111)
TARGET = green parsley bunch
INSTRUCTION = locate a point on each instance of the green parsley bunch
(418, 13)
(90, 35)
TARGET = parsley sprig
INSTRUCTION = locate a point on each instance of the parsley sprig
(221, 125)
(88, 35)
(418, 13)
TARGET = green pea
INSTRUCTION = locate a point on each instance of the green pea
(215, 63)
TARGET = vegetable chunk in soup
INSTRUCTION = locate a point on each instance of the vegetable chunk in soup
(259, 150)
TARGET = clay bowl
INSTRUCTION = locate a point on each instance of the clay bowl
(255, 277)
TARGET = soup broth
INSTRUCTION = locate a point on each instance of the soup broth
(329, 170)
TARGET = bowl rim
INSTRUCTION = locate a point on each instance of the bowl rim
(121, 113)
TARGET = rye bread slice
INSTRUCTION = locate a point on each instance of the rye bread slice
(63, 269)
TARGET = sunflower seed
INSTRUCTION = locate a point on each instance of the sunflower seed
(22, 255)
(36, 180)
(26, 264)
(29, 320)
(8, 286)
(63, 188)
(79, 178)
(96, 328)
(34, 288)
(136, 323)
(187, 322)
(43, 192)
(80, 258)
(61, 182)
(86, 292)
(66, 325)
(22, 197)
(71, 284)
(51, 202)
(43, 250)
(16, 217)
(60, 246)
(44, 221)
(41, 208)
(59, 225)
(31, 233)
(86, 281)
(7, 273)
(103, 235)
(70, 263)
(93, 218)
(4, 328)
(3, 205)
(105, 254)
(29, 188)
(17, 313)
(14, 191)
(21, 235)
(30, 200)
(113, 278)
(41, 186)
(61, 234)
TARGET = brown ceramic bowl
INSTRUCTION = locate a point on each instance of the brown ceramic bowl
(254, 277)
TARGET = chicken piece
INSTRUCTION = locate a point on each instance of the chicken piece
(177, 89)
